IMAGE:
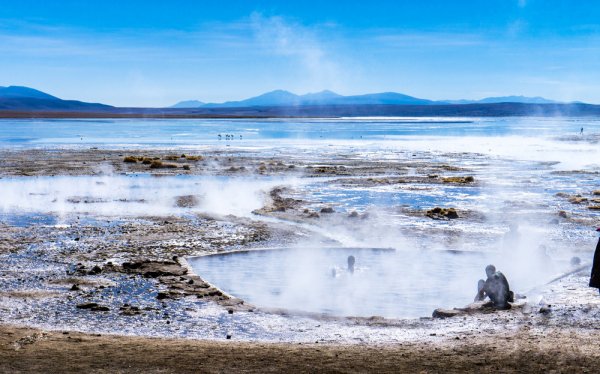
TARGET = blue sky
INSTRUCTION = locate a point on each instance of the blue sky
(155, 53)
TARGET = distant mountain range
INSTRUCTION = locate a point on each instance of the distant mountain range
(188, 104)
(286, 98)
(25, 102)
(504, 99)
(18, 98)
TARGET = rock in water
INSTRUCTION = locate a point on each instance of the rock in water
(87, 305)
(445, 313)
(186, 201)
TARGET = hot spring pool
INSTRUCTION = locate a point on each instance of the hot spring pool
(386, 282)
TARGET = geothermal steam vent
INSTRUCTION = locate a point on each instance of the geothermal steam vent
(385, 282)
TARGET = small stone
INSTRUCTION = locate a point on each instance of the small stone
(162, 295)
(86, 305)
(445, 313)
(95, 270)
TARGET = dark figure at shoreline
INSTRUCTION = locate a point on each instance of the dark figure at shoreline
(595, 277)
(496, 288)
(351, 261)
(581, 132)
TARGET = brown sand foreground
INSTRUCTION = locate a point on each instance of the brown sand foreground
(29, 350)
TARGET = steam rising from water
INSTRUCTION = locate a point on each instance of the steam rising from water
(131, 196)
(517, 184)
(389, 283)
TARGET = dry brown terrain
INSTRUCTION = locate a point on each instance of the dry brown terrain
(27, 350)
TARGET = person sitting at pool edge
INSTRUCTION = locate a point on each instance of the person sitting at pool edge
(496, 288)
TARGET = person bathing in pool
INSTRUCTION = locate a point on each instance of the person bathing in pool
(349, 269)
(351, 261)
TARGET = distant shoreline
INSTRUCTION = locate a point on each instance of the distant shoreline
(326, 111)
(92, 115)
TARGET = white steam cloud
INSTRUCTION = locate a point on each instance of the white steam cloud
(316, 66)
(131, 196)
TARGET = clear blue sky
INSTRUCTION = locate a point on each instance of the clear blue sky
(155, 53)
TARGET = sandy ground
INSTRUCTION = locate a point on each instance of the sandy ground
(165, 315)
(29, 350)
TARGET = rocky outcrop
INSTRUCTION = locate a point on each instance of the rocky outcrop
(592, 201)
(186, 201)
(129, 310)
(459, 180)
(446, 313)
(94, 307)
(442, 213)
(279, 203)
(154, 269)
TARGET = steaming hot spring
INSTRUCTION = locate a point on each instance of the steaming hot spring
(396, 281)
(385, 282)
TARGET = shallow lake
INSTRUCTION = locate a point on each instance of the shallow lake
(194, 132)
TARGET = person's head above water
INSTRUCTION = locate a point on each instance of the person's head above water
(351, 261)
(490, 270)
